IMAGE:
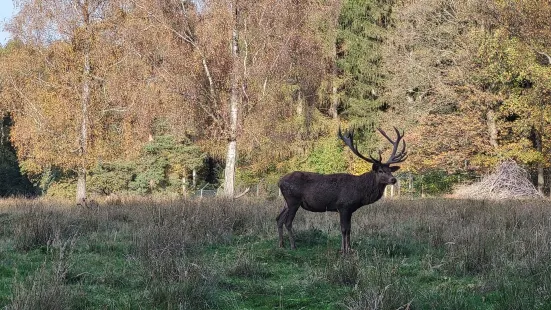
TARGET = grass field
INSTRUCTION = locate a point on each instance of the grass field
(215, 254)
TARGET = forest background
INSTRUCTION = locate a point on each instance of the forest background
(147, 97)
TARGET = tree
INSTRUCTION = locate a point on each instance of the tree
(163, 165)
(234, 106)
(239, 69)
(60, 99)
(524, 39)
(14, 182)
(474, 74)
(429, 57)
(363, 27)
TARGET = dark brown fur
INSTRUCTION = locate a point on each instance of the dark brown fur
(343, 193)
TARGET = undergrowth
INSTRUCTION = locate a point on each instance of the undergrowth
(218, 254)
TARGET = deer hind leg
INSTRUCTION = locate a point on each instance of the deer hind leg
(280, 222)
(291, 212)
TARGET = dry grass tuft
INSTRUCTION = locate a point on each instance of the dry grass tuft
(345, 271)
(41, 291)
(46, 288)
(245, 266)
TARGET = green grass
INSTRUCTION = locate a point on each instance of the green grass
(216, 254)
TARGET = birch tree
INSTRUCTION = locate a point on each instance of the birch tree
(229, 66)
(58, 87)
(231, 157)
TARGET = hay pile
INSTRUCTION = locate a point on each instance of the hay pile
(510, 181)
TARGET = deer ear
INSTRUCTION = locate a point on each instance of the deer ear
(395, 168)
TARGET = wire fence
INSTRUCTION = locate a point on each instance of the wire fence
(408, 185)
(428, 184)
(207, 190)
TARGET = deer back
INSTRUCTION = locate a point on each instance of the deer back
(327, 192)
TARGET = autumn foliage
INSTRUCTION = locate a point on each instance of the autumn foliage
(151, 92)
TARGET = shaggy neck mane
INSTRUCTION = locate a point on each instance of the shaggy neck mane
(373, 191)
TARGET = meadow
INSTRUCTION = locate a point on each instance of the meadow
(220, 254)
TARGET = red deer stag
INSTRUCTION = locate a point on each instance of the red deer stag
(341, 192)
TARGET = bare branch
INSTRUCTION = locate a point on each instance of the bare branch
(546, 61)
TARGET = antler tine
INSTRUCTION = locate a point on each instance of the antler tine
(377, 160)
(403, 154)
(348, 139)
(385, 135)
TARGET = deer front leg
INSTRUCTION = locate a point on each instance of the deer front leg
(345, 217)
(289, 225)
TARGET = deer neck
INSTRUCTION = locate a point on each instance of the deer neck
(373, 190)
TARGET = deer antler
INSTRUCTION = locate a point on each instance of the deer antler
(400, 157)
(348, 139)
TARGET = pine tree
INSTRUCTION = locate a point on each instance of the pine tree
(362, 27)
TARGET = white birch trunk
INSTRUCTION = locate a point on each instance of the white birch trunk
(231, 157)
(541, 179)
(229, 172)
(83, 141)
(85, 102)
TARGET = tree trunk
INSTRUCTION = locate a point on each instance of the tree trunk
(549, 183)
(231, 157)
(229, 172)
(83, 141)
(81, 185)
(492, 129)
(333, 110)
(300, 104)
(184, 186)
(85, 102)
(541, 180)
(539, 147)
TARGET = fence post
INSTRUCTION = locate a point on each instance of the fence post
(398, 187)
(201, 191)
(184, 186)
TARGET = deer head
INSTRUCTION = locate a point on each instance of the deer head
(383, 171)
